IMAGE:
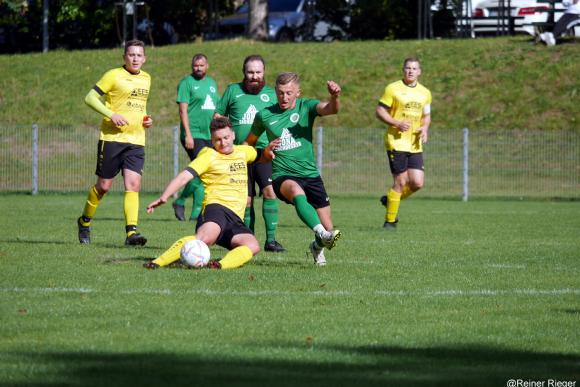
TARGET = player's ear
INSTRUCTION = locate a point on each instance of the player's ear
(298, 93)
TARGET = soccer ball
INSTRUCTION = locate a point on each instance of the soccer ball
(195, 253)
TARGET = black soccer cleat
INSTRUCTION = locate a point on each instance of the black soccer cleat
(179, 211)
(390, 225)
(214, 264)
(274, 247)
(135, 240)
(84, 233)
(151, 265)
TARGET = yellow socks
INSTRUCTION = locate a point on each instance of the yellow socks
(173, 253)
(406, 192)
(93, 200)
(394, 200)
(131, 208)
(236, 257)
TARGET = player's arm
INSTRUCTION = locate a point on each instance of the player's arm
(184, 118)
(93, 100)
(332, 106)
(267, 154)
(174, 185)
(382, 113)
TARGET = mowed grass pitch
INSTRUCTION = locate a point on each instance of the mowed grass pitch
(461, 294)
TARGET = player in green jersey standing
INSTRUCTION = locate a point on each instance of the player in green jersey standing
(121, 148)
(296, 179)
(240, 102)
(197, 96)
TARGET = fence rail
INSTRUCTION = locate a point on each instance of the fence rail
(458, 163)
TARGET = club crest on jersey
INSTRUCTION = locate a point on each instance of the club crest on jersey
(212, 89)
(294, 118)
(265, 97)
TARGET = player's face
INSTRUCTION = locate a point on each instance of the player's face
(223, 140)
(199, 68)
(254, 76)
(411, 72)
(287, 95)
(134, 59)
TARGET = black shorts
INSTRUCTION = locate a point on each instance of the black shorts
(313, 188)
(112, 157)
(230, 224)
(399, 162)
(260, 173)
(198, 145)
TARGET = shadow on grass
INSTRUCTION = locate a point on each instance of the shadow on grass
(367, 366)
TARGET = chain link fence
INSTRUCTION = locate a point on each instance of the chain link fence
(459, 163)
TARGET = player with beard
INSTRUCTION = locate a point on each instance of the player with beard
(240, 102)
(197, 96)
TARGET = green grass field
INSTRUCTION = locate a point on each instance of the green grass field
(462, 294)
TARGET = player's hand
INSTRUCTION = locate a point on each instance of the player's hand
(189, 142)
(156, 203)
(403, 126)
(119, 120)
(147, 121)
(423, 133)
(333, 88)
(269, 150)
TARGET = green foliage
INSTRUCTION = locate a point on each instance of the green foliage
(496, 83)
(462, 294)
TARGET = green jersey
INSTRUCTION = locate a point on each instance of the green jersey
(241, 107)
(295, 155)
(201, 97)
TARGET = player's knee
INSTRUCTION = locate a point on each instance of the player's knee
(416, 185)
(254, 247)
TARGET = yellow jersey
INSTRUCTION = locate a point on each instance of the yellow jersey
(125, 94)
(225, 177)
(409, 104)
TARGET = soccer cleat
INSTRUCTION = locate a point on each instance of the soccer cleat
(317, 254)
(384, 200)
(151, 265)
(550, 39)
(179, 211)
(84, 233)
(274, 246)
(135, 240)
(214, 264)
(328, 238)
(390, 225)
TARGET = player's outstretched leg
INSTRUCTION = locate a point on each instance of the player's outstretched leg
(170, 255)
(317, 252)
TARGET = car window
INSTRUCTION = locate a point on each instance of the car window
(274, 6)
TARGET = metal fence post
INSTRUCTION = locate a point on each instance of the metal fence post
(465, 164)
(320, 148)
(34, 159)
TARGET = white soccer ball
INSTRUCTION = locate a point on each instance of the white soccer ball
(195, 253)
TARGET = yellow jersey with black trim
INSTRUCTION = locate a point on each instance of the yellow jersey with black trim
(125, 94)
(225, 177)
(405, 103)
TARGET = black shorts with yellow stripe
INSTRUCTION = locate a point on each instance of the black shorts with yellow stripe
(400, 162)
(229, 223)
(113, 157)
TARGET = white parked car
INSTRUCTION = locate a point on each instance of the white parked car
(490, 18)
(535, 23)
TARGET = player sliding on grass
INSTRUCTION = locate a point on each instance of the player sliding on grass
(296, 179)
(223, 170)
(122, 139)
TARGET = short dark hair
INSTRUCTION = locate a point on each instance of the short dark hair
(253, 58)
(286, 78)
(220, 122)
(198, 56)
(134, 43)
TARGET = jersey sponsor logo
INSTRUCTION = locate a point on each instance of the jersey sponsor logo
(238, 181)
(237, 166)
(140, 93)
(208, 104)
(239, 95)
(249, 115)
(265, 97)
(294, 118)
(288, 141)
